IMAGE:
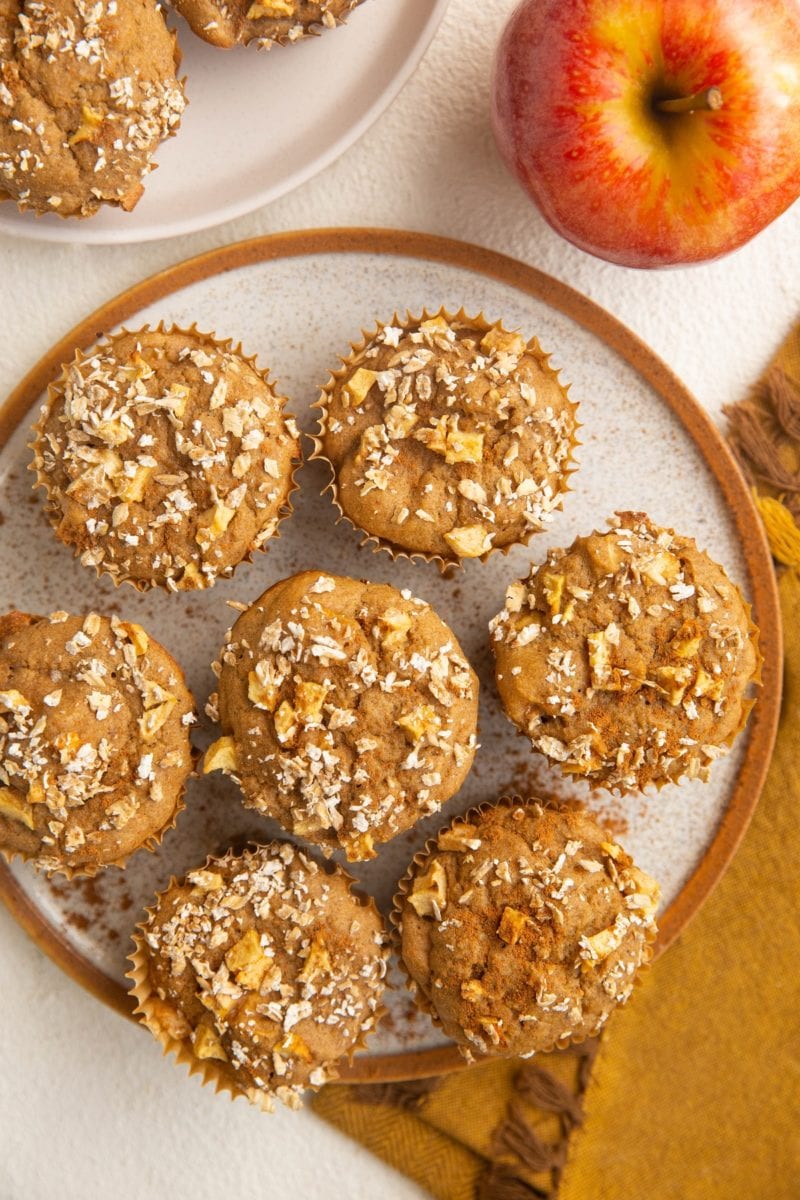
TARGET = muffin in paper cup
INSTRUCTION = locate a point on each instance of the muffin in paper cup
(261, 972)
(94, 741)
(627, 658)
(348, 710)
(89, 92)
(447, 437)
(166, 457)
(521, 926)
(266, 23)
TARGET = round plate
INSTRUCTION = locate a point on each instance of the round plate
(297, 300)
(259, 124)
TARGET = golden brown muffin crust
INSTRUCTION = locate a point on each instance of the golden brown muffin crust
(94, 739)
(627, 658)
(88, 90)
(167, 458)
(524, 927)
(448, 436)
(348, 708)
(228, 22)
(266, 967)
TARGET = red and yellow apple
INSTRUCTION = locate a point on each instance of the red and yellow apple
(652, 132)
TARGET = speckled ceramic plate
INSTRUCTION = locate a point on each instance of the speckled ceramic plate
(297, 300)
(259, 123)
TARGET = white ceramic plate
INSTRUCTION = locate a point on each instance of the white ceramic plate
(297, 300)
(259, 124)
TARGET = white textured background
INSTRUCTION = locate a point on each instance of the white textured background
(87, 1106)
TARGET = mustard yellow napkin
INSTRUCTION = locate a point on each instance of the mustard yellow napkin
(694, 1092)
(496, 1132)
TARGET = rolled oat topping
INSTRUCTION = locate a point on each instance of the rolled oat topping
(88, 90)
(523, 927)
(627, 658)
(348, 710)
(448, 437)
(167, 458)
(265, 967)
(94, 739)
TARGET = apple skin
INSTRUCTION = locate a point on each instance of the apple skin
(573, 94)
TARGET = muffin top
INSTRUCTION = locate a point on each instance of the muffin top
(94, 739)
(448, 437)
(226, 22)
(166, 457)
(87, 93)
(348, 708)
(524, 926)
(626, 659)
(265, 964)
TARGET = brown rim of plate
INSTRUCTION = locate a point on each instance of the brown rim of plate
(419, 1064)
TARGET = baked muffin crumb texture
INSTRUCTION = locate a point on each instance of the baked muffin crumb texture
(263, 970)
(88, 90)
(265, 23)
(522, 926)
(166, 456)
(348, 710)
(94, 740)
(628, 657)
(448, 437)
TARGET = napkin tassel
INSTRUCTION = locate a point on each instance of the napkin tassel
(542, 1089)
(515, 1136)
(500, 1183)
(785, 399)
(765, 431)
(406, 1094)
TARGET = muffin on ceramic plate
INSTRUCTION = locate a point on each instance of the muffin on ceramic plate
(87, 94)
(266, 22)
(261, 971)
(348, 710)
(522, 926)
(448, 437)
(627, 658)
(94, 740)
(166, 456)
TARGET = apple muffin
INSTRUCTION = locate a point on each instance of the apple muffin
(87, 94)
(522, 927)
(627, 658)
(166, 456)
(348, 710)
(261, 971)
(94, 740)
(230, 22)
(447, 437)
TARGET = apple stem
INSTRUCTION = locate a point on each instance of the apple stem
(709, 100)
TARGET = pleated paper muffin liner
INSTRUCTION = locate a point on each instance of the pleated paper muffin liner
(213, 1072)
(150, 844)
(421, 858)
(726, 744)
(52, 504)
(377, 543)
